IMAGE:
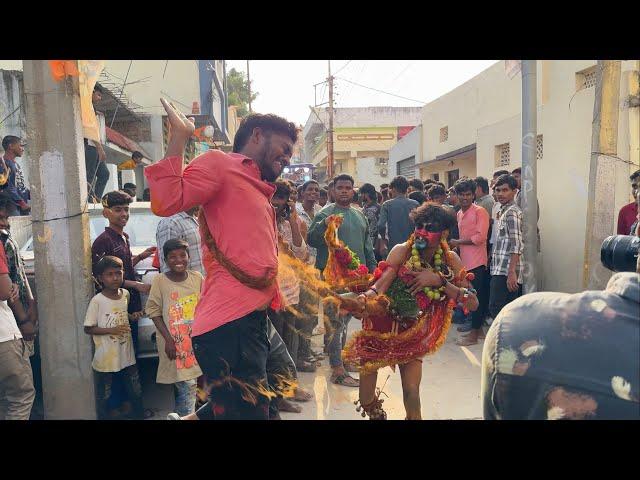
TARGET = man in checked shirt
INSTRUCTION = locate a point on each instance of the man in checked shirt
(506, 258)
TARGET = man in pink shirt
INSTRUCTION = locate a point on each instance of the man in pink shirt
(473, 225)
(239, 242)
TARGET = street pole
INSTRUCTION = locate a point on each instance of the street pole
(529, 175)
(602, 172)
(61, 241)
(330, 131)
(249, 83)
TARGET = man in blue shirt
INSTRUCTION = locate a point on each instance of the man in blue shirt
(394, 218)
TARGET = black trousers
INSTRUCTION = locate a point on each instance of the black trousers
(481, 284)
(287, 326)
(97, 171)
(234, 359)
(280, 368)
(500, 294)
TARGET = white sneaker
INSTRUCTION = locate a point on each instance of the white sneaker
(173, 416)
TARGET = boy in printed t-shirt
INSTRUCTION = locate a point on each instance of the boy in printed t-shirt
(171, 305)
(107, 321)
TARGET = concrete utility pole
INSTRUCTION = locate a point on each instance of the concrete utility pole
(602, 171)
(330, 131)
(529, 174)
(249, 83)
(61, 241)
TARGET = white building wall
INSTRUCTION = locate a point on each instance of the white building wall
(486, 111)
(368, 172)
(408, 146)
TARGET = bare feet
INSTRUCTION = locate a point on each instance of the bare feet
(301, 395)
(285, 405)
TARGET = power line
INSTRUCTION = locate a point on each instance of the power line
(382, 91)
(343, 67)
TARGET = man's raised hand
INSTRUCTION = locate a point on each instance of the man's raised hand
(179, 124)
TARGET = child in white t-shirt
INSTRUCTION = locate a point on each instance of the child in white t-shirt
(107, 321)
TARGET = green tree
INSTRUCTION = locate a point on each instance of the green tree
(238, 91)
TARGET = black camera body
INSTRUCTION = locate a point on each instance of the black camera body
(619, 253)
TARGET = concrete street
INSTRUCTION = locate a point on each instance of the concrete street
(450, 387)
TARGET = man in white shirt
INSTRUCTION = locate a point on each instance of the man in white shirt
(16, 378)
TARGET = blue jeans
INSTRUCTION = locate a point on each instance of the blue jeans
(337, 338)
(185, 392)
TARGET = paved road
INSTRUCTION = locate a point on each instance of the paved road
(450, 387)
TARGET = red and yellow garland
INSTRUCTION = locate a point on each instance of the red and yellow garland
(372, 350)
(343, 269)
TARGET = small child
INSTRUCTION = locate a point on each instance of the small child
(171, 305)
(107, 321)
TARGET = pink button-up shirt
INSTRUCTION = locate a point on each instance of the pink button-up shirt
(236, 204)
(473, 225)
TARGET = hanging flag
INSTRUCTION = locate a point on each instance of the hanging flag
(512, 67)
(62, 68)
(89, 72)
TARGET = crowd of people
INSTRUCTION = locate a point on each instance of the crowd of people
(234, 303)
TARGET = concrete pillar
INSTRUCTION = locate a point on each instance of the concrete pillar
(604, 149)
(128, 176)
(61, 241)
(112, 183)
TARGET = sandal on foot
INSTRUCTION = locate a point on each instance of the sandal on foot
(345, 380)
(306, 367)
(466, 341)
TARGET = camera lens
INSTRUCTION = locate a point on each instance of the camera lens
(619, 253)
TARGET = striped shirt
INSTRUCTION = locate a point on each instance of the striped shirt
(288, 280)
(304, 216)
(508, 240)
(183, 226)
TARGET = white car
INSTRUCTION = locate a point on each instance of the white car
(141, 229)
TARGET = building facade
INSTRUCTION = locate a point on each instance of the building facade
(134, 116)
(362, 138)
(476, 129)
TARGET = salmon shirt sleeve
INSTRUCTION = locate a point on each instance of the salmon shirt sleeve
(3, 260)
(175, 190)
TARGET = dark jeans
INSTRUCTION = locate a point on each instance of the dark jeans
(234, 359)
(280, 367)
(97, 171)
(131, 381)
(286, 325)
(481, 284)
(500, 294)
(308, 308)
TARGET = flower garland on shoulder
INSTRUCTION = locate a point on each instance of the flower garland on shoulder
(344, 268)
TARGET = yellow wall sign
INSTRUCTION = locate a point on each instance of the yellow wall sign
(367, 136)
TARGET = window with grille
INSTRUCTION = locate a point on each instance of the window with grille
(539, 147)
(444, 134)
(503, 155)
(407, 168)
(586, 78)
(452, 177)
